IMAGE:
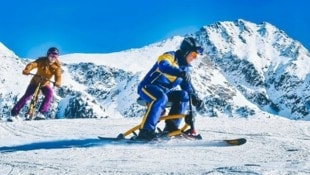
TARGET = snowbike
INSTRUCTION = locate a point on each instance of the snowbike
(187, 131)
(34, 99)
(189, 123)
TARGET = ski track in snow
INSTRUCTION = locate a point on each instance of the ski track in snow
(70, 146)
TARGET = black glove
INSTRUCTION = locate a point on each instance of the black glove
(197, 102)
(185, 76)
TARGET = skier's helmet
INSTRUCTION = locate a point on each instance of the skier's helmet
(52, 50)
(189, 45)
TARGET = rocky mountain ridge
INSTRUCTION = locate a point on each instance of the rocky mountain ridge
(246, 69)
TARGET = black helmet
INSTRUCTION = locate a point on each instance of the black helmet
(52, 50)
(189, 45)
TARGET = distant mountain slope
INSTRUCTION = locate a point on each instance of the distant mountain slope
(270, 69)
(247, 69)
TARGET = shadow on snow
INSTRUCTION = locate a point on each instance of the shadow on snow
(93, 142)
(56, 144)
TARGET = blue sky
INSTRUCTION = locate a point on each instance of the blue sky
(29, 28)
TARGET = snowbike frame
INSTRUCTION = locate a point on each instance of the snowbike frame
(167, 117)
(188, 121)
(34, 98)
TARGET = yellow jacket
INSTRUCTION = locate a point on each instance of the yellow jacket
(44, 69)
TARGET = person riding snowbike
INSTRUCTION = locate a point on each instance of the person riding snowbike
(47, 67)
(171, 70)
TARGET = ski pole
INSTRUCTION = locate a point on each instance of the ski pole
(189, 118)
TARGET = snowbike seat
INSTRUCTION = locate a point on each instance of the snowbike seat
(142, 102)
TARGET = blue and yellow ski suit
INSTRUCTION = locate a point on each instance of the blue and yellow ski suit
(159, 86)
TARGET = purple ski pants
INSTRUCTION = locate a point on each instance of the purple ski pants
(47, 92)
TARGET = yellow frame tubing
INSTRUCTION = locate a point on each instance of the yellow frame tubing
(167, 117)
(34, 99)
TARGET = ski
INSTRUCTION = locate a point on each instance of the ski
(186, 141)
(236, 142)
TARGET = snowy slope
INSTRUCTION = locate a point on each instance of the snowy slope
(129, 60)
(11, 79)
(275, 146)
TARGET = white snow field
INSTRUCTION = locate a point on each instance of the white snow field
(70, 146)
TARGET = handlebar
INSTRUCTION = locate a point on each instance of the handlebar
(42, 78)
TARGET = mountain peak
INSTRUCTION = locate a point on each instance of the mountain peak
(4, 51)
(246, 69)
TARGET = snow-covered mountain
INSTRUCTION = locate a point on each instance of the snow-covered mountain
(247, 69)
(263, 63)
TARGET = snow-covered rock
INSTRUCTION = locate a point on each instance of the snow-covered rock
(245, 68)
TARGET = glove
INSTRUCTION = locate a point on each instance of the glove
(185, 76)
(26, 72)
(56, 84)
(197, 102)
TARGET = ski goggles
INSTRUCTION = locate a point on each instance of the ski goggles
(199, 50)
(54, 54)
